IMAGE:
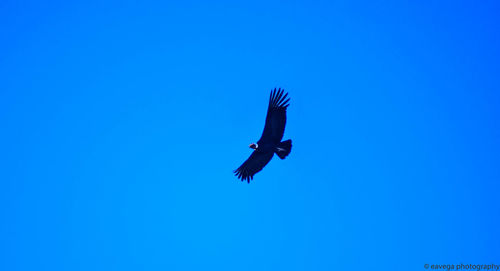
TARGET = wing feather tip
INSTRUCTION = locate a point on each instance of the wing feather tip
(285, 103)
(277, 98)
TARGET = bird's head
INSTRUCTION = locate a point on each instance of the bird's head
(253, 146)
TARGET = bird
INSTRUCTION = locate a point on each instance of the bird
(270, 141)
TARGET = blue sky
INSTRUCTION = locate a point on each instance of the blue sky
(123, 121)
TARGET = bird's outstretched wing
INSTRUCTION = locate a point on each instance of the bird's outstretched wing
(276, 118)
(255, 163)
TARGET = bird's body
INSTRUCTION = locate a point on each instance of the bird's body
(265, 147)
(270, 141)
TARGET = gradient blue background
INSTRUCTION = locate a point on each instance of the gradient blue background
(121, 123)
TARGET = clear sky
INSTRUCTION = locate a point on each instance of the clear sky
(122, 121)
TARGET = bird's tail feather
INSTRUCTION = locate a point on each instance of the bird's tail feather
(284, 148)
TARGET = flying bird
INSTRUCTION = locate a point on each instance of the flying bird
(270, 141)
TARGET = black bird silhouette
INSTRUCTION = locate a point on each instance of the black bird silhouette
(270, 141)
